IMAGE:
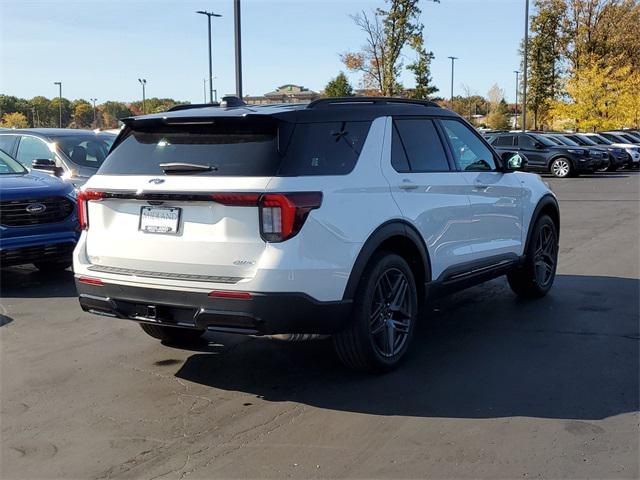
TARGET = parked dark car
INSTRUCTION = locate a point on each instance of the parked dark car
(38, 222)
(545, 155)
(618, 157)
(71, 154)
(620, 137)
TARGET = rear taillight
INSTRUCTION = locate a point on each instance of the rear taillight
(281, 214)
(83, 210)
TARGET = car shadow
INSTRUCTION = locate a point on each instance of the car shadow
(482, 353)
(26, 281)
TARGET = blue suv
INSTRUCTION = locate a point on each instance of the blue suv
(38, 222)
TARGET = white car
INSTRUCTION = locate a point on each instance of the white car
(340, 217)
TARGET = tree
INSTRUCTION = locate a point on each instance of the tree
(111, 112)
(14, 120)
(338, 87)
(387, 33)
(546, 46)
(421, 69)
(497, 118)
(82, 114)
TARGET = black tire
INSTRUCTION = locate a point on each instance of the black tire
(562, 167)
(535, 277)
(52, 267)
(175, 335)
(612, 167)
(380, 331)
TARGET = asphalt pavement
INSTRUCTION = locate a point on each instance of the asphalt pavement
(493, 387)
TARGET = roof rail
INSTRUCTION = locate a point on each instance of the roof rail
(188, 106)
(327, 102)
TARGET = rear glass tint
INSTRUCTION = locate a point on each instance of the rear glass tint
(229, 148)
(241, 147)
(329, 148)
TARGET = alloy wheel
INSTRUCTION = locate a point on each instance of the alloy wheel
(560, 168)
(545, 256)
(391, 313)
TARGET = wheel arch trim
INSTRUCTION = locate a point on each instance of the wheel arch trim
(386, 231)
(547, 201)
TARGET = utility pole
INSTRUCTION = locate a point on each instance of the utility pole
(453, 59)
(60, 102)
(95, 118)
(238, 35)
(526, 67)
(143, 82)
(515, 125)
(209, 15)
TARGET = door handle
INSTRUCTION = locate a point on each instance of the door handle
(407, 185)
(479, 187)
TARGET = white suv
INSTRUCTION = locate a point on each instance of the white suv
(339, 217)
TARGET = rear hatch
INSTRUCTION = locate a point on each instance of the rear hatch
(159, 209)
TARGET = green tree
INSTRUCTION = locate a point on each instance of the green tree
(388, 32)
(14, 120)
(421, 69)
(546, 46)
(338, 87)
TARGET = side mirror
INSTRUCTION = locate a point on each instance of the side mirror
(514, 161)
(539, 145)
(47, 165)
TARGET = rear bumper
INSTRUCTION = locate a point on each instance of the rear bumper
(262, 314)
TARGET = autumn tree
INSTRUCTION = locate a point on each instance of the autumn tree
(497, 118)
(82, 114)
(387, 31)
(14, 120)
(338, 87)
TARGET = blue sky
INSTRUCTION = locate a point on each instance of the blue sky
(99, 48)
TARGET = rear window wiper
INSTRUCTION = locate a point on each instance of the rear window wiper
(178, 167)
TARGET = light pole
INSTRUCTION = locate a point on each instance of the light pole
(143, 82)
(238, 35)
(94, 100)
(526, 61)
(59, 102)
(209, 15)
(453, 59)
(515, 124)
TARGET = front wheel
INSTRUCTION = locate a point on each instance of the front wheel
(175, 335)
(384, 316)
(561, 167)
(535, 277)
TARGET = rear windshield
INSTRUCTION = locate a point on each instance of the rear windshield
(241, 147)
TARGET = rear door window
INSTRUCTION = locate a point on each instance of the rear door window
(504, 141)
(326, 148)
(422, 145)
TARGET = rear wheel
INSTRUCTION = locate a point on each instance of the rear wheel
(535, 278)
(384, 316)
(51, 266)
(172, 334)
(561, 167)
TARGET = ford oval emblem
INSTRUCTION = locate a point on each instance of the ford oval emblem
(35, 208)
(156, 181)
